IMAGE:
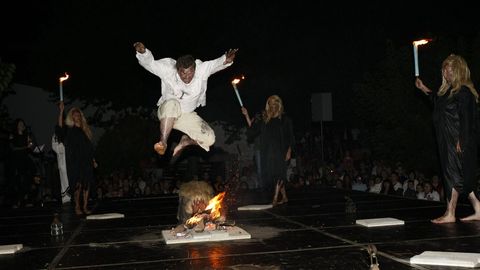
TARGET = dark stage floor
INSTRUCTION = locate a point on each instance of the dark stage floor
(312, 231)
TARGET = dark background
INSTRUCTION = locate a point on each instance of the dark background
(361, 53)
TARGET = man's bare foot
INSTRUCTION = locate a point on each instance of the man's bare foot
(178, 149)
(444, 219)
(160, 148)
(474, 217)
(184, 142)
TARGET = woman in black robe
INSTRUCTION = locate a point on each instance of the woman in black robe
(79, 155)
(275, 132)
(455, 119)
(22, 168)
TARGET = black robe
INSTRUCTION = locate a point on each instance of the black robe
(79, 155)
(275, 137)
(455, 120)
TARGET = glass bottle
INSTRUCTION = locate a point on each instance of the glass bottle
(57, 226)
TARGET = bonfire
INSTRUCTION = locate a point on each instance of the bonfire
(194, 213)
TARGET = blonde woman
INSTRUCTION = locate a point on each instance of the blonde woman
(76, 135)
(275, 132)
(455, 119)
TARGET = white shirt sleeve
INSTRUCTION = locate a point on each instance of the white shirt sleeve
(210, 67)
(161, 67)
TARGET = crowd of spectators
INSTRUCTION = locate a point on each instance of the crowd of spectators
(338, 165)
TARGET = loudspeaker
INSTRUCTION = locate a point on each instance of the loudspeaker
(321, 104)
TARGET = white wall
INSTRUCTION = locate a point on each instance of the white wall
(33, 105)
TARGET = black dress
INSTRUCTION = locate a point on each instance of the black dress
(455, 120)
(79, 154)
(22, 166)
(22, 163)
(275, 137)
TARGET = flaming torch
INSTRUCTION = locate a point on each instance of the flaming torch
(234, 84)
(64, 78)
(417, 43)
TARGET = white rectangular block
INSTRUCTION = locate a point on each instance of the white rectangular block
(219, 234)
(10, 249)
(255, 207)
(106, 216)
(443, 258)
(201, 235)
(230, 233)
(377, 222)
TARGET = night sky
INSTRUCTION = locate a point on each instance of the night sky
(291, 49)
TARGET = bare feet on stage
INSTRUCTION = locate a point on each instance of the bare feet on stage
(474, 217)
(444, 219)
(86, 211)
(476, 206)
(160, 148)
(284, 200)
(78, 211)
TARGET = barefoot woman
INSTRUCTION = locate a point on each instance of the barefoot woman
(455, 117)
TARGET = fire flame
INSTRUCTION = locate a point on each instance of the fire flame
(421, 42)
(194, 220)
(237, 80)
(212, 211)
(64, 78)
(215, 204)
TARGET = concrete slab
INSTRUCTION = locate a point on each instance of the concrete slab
(190, 236)
(105, 216)
(378, 222)
(443, 258)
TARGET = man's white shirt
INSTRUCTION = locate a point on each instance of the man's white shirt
(190, 95)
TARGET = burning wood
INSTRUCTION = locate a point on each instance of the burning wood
(210, 216)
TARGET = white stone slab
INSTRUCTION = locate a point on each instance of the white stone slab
(444, 258)
(229, 233)
(106, 216)
(255, 207)
(10, 249)
(377, 222)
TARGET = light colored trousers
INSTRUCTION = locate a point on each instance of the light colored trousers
(189, 123)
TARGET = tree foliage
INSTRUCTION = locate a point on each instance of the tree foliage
(6, 76)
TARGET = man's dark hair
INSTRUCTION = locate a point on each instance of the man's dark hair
(185, 61)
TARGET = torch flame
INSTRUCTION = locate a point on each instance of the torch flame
(421, 42)
(64, 78)
(237, 80)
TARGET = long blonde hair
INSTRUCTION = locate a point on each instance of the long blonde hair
(84, 125)
(273, 108)
(461, 76)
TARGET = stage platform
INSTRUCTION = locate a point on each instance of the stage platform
(314, 230)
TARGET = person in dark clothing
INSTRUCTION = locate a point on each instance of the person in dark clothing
(256, 148)
(22, 165)
(455, 119)
(79, 154)
(276, 140)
